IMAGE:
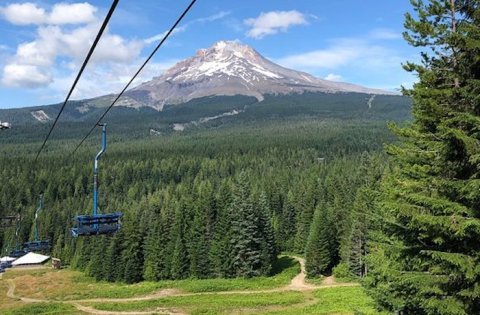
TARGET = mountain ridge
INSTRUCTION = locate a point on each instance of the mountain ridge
(231, 68)
(215, 75)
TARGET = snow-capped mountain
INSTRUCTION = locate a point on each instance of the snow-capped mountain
(230, 68)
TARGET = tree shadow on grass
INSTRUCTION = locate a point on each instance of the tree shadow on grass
(283, 263)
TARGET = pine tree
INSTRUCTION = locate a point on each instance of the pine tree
(113, 265)
(246, 239)
(133, 258)
(58, 248)
(97, 259)
(200, 245)
(220, 254)
(268, 246)
(288, 223)
(318, 251)
(306, 207)
(221, 247)
(179, 263)
(433, 193)
(362, 209)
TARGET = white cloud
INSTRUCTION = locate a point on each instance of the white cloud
(75, 13)
(23, 13)
(273, 22)
(31, 14)
(333, 77)
(18, 75)
(58, 49)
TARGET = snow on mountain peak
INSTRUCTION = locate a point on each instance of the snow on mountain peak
(233, 68)
(227, 58)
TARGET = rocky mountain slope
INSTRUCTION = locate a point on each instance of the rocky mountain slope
(230, 68)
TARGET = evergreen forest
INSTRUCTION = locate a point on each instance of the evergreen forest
(388, 196)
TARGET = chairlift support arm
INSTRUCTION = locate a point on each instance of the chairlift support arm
(40, 207)
(95, 168)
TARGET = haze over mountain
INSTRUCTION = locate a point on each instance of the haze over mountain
(230, 68)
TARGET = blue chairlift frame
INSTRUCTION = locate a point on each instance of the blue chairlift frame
(17, 252)
(37, 244)
(97, 224)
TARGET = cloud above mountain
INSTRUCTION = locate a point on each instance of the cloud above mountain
(65, 32)
(270, 23)
(62, 35)
(61, 13)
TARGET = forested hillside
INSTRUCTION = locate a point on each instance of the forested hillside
(215, 203)
(322, 105)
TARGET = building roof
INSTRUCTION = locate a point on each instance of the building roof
(30, 259)
(6, 259)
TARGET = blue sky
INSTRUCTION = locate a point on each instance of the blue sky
(44, 42)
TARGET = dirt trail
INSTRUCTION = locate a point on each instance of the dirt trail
(91, 310)
(11, 294)
(298, 283)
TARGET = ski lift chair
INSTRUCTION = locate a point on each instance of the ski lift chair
(96, 223)
(37, 245)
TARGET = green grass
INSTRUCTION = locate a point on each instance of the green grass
(315, 280)
(209, 303)
(340, 300)
(67, 285)
(44, 308)
(285, 269)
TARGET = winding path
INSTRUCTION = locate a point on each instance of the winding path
(298, 283)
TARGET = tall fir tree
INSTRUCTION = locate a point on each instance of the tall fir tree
(318, 251)
(433, 192)
(222, 248)
(133, 254)
(114, 268)
(246, 238)
(267, 238)
(200, 245)
(287, 225)
(179, 263)
(358, 238)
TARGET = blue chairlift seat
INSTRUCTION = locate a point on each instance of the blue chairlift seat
(99, 224)
(17, 253)
(37, 245)
(6, 264)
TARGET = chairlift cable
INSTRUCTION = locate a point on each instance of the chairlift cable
(84, 65)
(160, 44)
